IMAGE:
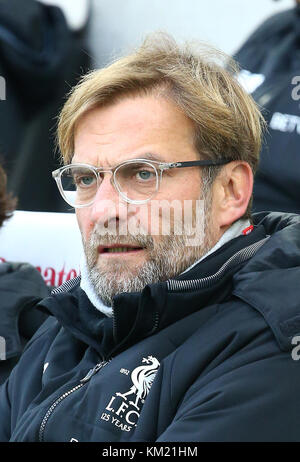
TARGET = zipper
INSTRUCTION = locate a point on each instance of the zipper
(93, 371)
(114, 321)
(156, 321)
(194, 284)
(53, 406)
(66, 286)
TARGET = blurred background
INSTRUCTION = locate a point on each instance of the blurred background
(46, 46)
(117, 25)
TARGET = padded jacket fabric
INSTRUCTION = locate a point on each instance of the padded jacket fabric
(207, 356)
(21, 288)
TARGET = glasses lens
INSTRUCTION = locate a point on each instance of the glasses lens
(79, 185)
(138, 181)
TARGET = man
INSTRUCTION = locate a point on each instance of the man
(168, 336)
(21, 288)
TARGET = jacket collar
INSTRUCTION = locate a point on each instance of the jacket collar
(269, 282)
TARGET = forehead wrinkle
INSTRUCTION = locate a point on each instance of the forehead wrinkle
(122, 126)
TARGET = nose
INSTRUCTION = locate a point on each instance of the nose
(107, 206)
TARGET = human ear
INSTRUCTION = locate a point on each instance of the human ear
(232, 193)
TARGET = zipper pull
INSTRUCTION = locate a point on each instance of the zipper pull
(93, 371)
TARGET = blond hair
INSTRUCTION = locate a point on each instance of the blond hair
(198, 79)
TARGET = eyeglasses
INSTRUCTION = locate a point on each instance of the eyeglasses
(136, 180)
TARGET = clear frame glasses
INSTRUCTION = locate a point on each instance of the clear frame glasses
(136, 180)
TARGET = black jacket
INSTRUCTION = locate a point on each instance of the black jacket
(272, 53)
(21, 288)
(208, 356)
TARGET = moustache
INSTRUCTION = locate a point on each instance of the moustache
(139, 240)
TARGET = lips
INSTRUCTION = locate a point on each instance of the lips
(117, 248)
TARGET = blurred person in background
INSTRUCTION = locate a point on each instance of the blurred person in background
(160, 338)
(270, 62)
(41, 58)
(21, 287)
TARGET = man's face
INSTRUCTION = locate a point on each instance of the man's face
(129, 129)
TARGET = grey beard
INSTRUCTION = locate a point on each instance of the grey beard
(166, 259)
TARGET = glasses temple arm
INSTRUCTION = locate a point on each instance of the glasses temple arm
(199, 163)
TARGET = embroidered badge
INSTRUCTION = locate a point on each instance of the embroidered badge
(126, 406)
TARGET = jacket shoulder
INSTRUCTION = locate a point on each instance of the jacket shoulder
(230, 381)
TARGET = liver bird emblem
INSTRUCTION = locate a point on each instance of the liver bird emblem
(142, 378)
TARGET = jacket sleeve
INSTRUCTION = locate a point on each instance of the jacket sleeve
(5, 413)
(258, 401)
(17, 392)
(24, 382)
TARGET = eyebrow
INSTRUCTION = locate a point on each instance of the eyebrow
(146, 156)
(152, 156)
